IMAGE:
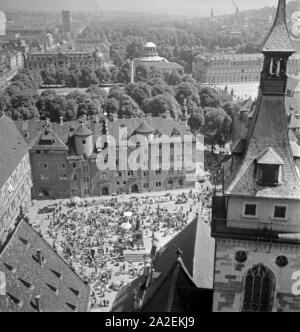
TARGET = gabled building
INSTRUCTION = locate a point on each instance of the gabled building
(34, 278)
(64, 157)
(180, 278)
(255, 218)
(15, 176)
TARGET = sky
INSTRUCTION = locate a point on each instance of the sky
(172, 7)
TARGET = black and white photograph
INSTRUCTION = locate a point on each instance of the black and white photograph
(149, 159)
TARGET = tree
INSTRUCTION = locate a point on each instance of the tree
(138, 92)
(60, 107)
(24, 113)
(141, 73)
(97, 94)
(196, 116)
(116, 92)
(112, 106)
(103, 75)
(217, 128)
(186, 92)
(45, 99)
(134, 49)
(129, 108)
(175, 78)
(88, 77)
(160, 105)
(209, 97)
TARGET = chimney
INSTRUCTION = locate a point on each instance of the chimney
(84, 119)
(97, 119)
(168, 115)
(48, 121)
(38, 303)
(61, 120)
(131, 69)
(149, 116)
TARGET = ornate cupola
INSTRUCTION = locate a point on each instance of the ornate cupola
(277, 49)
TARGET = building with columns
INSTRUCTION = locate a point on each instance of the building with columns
(255, 218)
(235, 68)
(60, 60)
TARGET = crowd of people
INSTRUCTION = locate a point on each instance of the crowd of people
(99, 238)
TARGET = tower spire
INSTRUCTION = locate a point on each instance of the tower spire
(278, 39)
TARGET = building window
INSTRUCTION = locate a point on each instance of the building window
(45, 177)
(250, 210)
(44, 165)
(63, 177)
(259, 285)
(280, 212)
(268, 174)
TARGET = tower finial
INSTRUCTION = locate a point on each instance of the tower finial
(278, 39)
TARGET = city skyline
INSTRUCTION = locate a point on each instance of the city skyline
(172, 7)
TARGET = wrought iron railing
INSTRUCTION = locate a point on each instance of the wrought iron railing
(256, 228)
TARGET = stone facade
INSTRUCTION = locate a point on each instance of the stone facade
(42, 61)
(64, 158)
(230, 275)
(15, 177)
(235, 68)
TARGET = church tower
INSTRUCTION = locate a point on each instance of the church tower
(256, 217)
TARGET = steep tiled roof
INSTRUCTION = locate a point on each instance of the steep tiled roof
(196, 265)
(278, 40)
(83, 131)
(63, 133)
(144, 128)
(268, 130)
(13, 148)
(27, 276)
(49, 140)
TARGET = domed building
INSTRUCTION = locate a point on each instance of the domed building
(151, 59)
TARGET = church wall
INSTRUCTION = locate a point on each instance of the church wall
(228, 285)
(265, 209)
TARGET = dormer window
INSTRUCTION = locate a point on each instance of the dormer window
(269, 168)
(268, 174)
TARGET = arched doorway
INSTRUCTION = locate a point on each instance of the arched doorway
(135, 189)
(259, 285)
(105, 191)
